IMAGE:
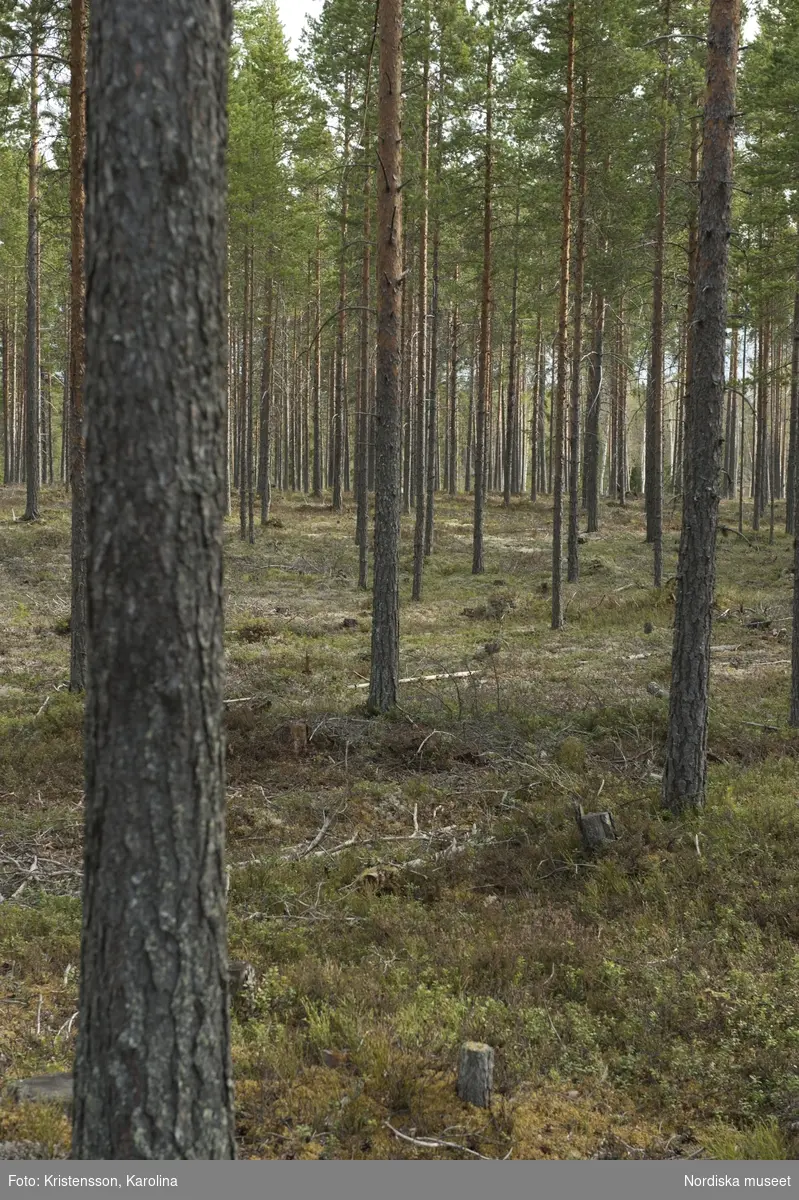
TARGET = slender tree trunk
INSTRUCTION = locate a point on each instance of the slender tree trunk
(384, 676)
(265, 415)
(559, 396)
(510, 423)
(592, 421)
(153, 1070)
(406, 364)
(573, 568)
(245, 371)
(317, 367)
(452, 481)
(685, 772)
(538, 400)
(432, 403)
(654, 432)
(793, 428)
(421, 343)
(33, 448)
(362, 416)
(77, 343)
(484, 365)
(340, 403)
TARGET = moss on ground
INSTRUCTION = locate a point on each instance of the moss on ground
(642, 1002)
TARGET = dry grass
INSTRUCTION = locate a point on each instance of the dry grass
(641, 1004)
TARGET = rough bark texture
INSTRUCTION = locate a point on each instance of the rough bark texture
(77, 343)
(153, 1077)
(388, 400)
(476, 1073)
(685, 772)
(559, 398)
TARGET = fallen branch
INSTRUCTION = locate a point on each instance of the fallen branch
(427, 678)
(298, 852)
(440, 1144)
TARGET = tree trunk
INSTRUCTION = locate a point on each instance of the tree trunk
(592, 419)
(362, 416)
(33, 448)
(341, 324)
(388, 402)
(484, 367)
(452, 481)
(77, 343)
(573, 568)
(510, 422)
(685, 771)
(153, 1072)
(654, 431)
(421, 341)
(432, 402)
(536, 408)
(793, 428)
(559, 399)
(264, 483)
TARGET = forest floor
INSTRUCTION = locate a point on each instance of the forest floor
(402, 885)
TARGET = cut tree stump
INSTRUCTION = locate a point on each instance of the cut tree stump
(44, 1089)
(476, 1073)
(241, 976)
(595, 828)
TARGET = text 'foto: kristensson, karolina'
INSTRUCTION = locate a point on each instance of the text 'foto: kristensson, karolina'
(758, 1181)
(92, 1181)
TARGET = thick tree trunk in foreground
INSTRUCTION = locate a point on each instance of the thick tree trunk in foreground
(77, 344)
(685, 773)
(559, 397)
(153, 1075)
(388, 400)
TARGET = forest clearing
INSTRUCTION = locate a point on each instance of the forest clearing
(642, 1000)
(399, 581)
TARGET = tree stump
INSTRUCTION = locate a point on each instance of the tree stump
(476, 1073)
(595, 828)
(241, 976)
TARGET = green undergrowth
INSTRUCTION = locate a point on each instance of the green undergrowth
(401, 885)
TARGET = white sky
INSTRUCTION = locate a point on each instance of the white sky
(293, 14)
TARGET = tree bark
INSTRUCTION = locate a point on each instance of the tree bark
(654, 430)
(685, 771)
(33, 447)
(592, 419)
(384, 675)
(573, 561)
(484, 363)
(153, 1073)
(510, 422)
(793, 428)
(559, 399)
(77, 343)
(421, 341)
